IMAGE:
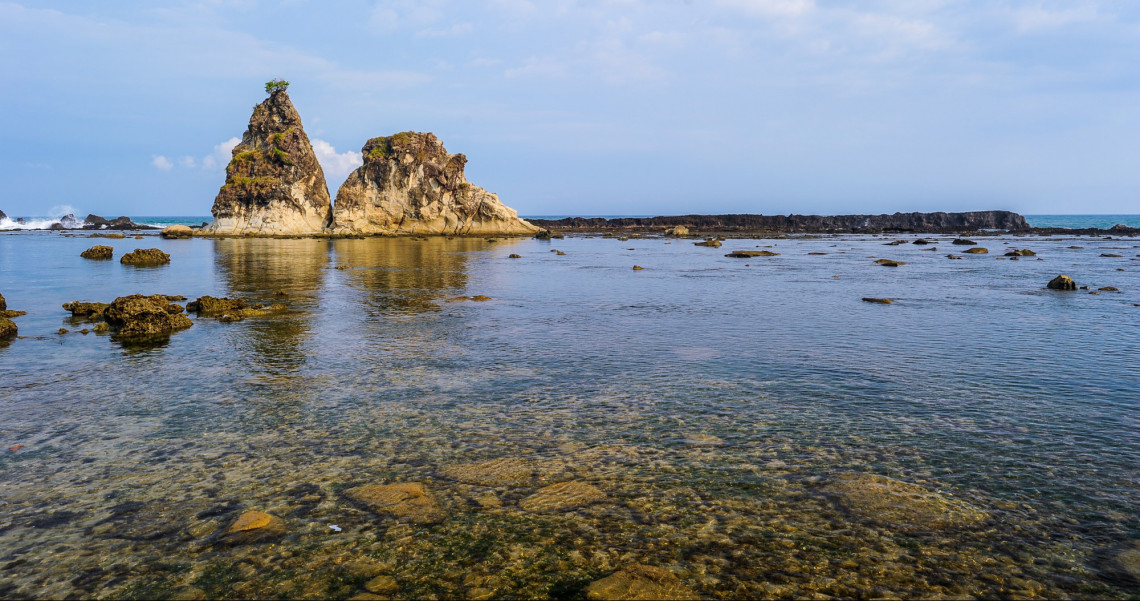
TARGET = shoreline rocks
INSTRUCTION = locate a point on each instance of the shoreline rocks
(141, 316)
(938, 222)
(145, 257)
(410, 184)
(98, 253)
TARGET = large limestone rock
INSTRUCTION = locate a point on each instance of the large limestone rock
(409, 184)
(274, 184)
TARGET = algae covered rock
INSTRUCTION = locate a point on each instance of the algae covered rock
(678, 231)
(900, 505)
(710, 242)
(977, 250)
(8, 328)
(98, 253)
(745, 254)
(208, 305)
(410, 184)
(405, 501)
(889, 262)
(140, 316)
(91, 311)
(639, 582)
(274, 184)
(1062, 282)
(145, 257)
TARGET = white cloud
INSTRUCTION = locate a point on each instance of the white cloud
(336, 165)
(770, 8)
(189, 162)
(454, 31)
(221, 155)
(162, 163)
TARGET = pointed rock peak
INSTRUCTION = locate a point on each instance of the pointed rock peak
(274, 184)
(410, 184)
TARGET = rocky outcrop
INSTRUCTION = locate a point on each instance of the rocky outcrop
(409, 184)
(897, 222)
(95, 222)
(1062, 282)
(145, 257)
(274, 184)
(139, 316)
(177, 231)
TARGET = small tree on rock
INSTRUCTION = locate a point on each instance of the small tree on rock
(276, 85)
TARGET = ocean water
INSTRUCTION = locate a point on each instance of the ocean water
(750, 425)
(1083, 221)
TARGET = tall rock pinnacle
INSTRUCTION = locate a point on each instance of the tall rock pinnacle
(409, 184)
(274, 184)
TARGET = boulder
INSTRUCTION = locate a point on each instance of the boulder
(964, 242)
(639, 582)
(145, 257)
(405, 501)
(98, 253)
(1025, 252)
(274, 184)
(889, 263)
(143, 316)
(711, 242)
(977, 250)
(679, 230)
(900, 505)
(638, 268)
(1062, 282)
(410, 184)
(921, 241)
(177, 231)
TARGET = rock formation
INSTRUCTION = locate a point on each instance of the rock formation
(409, 184)
(274, 184)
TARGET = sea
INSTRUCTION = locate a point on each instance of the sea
(518, 418)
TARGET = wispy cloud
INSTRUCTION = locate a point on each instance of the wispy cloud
(336, 165)
(162, 163)
(221, 154)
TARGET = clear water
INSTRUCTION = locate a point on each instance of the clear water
(1083, 221)
(714, 401)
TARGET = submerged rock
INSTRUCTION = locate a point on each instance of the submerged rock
(506, 471)
(881, 301)
(98, 253)
(713, 242)
(410, 184)
(143, 316)
(964, 242)
(563, 495)
(145, 257)
(900, 505)
(889, 262)
(405, 501)
(1062, 282)
(274, 184)
(177, 231)
(639, 582)
(744, 254)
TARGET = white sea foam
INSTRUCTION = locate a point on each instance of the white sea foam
(42, 223)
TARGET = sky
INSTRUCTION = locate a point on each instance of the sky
(590, 107)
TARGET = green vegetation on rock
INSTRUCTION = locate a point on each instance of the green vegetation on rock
(276, 85)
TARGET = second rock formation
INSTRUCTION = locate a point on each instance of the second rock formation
(409, 184)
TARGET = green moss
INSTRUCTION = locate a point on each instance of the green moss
(281, 155)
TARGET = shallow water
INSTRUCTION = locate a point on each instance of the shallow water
(718, 403)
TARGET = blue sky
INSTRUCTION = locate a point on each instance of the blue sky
(591, 106)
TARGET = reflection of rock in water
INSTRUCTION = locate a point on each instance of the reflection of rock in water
(256, 270)
(403, 275)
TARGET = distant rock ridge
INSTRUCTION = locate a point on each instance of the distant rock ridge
(409, 184)
(274, 184)
(898, 222)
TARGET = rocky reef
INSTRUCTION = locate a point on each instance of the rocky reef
(897, 222)
(274, 184)
(409, 184)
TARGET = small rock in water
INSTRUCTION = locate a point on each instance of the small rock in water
(145, 257)
(98, 253)
(889, 263)
(639, 582)
(881, 301)
(177, 231)
(254, 520)
(977, 250)
(921, 241)
(514, 256)
(638, 268)
(895, 243)
(900, 505)
(382, 585)
(964, 242)
(1111, 255)
(1109, 289)
(1062, 282)
(712, 242)
(952, 256)
(744, 254)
